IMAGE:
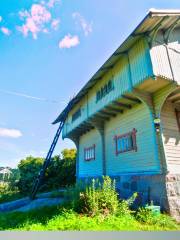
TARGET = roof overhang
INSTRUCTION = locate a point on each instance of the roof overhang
(154, 17)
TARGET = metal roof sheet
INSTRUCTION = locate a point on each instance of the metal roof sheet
(153, 18)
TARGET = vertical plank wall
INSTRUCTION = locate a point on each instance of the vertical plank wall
(146, 158)
(166, 57)
(171, 137)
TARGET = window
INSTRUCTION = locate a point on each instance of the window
(126, 142)
(89, 153)
(107, 88)
(178, 118)
(76, 115)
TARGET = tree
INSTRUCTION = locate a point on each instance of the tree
(28, 169)
(69, 153)
(60, 173)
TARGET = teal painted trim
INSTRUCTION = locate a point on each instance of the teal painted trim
(140, 173)
(77, 162)
(129, 73)
(150, 64)
(155, 142)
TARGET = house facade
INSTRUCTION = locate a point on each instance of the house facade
(125, 121)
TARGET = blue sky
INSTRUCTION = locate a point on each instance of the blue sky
(48, 50)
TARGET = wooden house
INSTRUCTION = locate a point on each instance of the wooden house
(125, 121)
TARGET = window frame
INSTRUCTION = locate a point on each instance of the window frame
(87, 153)
(178, 118)
(131, 134)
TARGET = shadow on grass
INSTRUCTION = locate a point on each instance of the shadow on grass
(17, 219)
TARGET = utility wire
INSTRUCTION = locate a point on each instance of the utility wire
(31, 97)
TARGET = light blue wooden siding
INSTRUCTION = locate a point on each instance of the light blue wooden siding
(120, 76)
(92, 167)
(125, 74)
(166, 59)
(69, 125)
(140, 62)
(145, 159)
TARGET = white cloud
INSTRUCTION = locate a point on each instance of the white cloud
(11, 133)
(55, 24)
(0, 19)
(35, 20)
(5, 31)
(69, 41)
(87, 27)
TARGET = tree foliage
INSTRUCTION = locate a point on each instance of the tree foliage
(29, 169)
(69, 153)
(60, 173)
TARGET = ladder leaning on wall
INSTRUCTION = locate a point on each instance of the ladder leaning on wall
(47, 160)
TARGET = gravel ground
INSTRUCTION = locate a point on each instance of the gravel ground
(26, 204)
(42, 202)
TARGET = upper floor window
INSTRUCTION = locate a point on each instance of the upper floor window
(108, 87)
(126, 142)
(89, 153)
(76, 115)
(178, 118)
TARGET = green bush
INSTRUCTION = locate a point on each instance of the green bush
(124, 207)
(145, 215)
(98, 197)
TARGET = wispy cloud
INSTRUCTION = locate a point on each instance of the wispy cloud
(11, 133)
(51, 3)
(86, 26)
(30, 97)
(5, 31)
(69, 41)
(0, 19)
(55, 24)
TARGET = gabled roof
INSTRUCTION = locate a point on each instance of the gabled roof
(162, 18)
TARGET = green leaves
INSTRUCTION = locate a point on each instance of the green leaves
(60, 173)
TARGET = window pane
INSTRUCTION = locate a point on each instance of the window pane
(126, 142)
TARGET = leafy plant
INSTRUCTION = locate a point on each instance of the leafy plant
(98, 197)
(146, 215)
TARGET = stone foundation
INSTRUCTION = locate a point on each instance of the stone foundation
(163, 190)
(149, 188)
(173, 195)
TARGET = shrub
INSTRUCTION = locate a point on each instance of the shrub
(96, 198)
(125, 205)
(145, 215)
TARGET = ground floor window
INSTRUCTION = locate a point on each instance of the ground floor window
(89, 153)
(126, 142)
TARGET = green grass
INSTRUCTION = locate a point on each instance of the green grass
(10, 196)
(57, 218)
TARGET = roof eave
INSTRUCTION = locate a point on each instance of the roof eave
(129, 41)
